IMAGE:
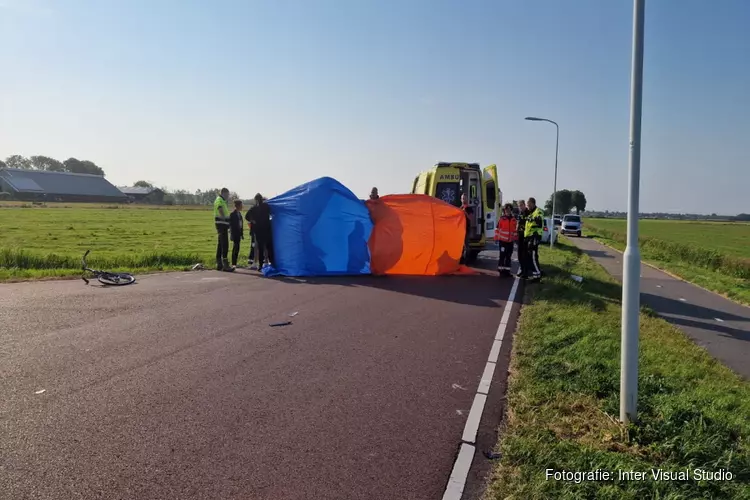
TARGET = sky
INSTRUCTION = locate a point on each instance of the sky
(263, 96)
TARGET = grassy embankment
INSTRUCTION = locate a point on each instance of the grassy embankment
(39, 242)
(563, 399)
(714, 255)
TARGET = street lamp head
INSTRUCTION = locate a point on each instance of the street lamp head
(533, 119)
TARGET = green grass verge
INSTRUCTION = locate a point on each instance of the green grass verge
(726, 275)
(48, 242)
(563, 399)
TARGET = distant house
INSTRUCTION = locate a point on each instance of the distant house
(41, 185)
(144, 194)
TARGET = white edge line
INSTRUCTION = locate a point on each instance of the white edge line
(475, 415)
(455, 488)
(484, 384)
(495, 351)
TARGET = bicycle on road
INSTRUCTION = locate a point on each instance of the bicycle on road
(106, 277)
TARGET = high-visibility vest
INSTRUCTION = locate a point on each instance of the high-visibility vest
(506, 229)
(221, 202)
(532, 226)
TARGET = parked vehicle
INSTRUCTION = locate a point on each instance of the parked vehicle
(572, 224)
(449, 180)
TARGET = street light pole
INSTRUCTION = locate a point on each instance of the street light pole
(631, 267)
(552, 233)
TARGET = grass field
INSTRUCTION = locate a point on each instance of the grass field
(563, 399)
(714, 255)
(49, 241)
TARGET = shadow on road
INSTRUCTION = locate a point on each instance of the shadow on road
(483, 289)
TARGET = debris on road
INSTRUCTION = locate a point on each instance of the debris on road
(492, 455)
(456, 386)
(285, 323)
(291, 315)
(579, 279)
(198, 267)
(41, 391)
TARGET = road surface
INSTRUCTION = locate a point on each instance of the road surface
(719, 325)
(176, 387)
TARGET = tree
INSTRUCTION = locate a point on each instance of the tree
(18, 161)
(563, 202)
(579, 201)
(77, 166)
(47, 163)
(143, 184)
(2, 164)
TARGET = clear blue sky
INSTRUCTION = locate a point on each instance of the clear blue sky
(262, 96)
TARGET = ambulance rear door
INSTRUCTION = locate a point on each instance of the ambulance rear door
(492, 201)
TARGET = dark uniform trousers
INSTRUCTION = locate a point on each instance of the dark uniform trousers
(222, 248)
(522, 251)
(264, 245)
(532, 255)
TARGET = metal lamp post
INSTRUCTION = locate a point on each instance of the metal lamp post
(631, 266)
(554, 188)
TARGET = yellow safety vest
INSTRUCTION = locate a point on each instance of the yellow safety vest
(533, 227)
(221, 202)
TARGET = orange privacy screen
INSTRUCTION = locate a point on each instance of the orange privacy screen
(415, 234)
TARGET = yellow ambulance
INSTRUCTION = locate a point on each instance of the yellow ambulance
(449, 180)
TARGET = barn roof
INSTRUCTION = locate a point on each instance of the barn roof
(58, 183)
(138, 190)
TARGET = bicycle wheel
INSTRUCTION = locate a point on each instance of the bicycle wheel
(116, 279)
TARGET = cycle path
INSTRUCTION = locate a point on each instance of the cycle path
(719, 325)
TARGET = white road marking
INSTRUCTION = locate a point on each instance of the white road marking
(455, 488)
(719, 320)
(495, 351)
(484, 384)
(475, 415)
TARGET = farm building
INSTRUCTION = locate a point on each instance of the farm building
(144, 194)
(41, 185)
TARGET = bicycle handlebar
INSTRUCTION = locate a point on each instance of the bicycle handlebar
(83, 259)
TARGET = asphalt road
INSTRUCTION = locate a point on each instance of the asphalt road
(176, 387)
(719, 325)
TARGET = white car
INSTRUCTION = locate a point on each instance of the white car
(545, 230)
(572, 224)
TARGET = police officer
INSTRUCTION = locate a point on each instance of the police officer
(221, 220)
(533, 236)
(523, 212)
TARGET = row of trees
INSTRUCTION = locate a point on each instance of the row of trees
(565, 201)
(72, 165)
(184, 197)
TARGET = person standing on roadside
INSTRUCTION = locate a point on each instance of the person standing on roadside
(260, 217)
(374, 194)
(533, 236)
(520, 240)
(505, 234)
(221, 220)
(251, 236)
(236, 230)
